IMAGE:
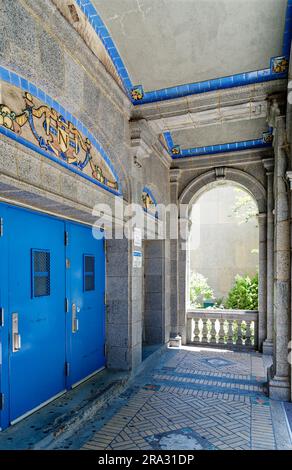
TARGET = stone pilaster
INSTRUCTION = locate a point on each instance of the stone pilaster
(268, 343)
(262, 324)
(183, 272)
(174, 183)
(279, 383)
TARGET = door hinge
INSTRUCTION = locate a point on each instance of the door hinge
(1, 227)
(1, 316)
(66, 305)
(68, 264)
(66, 238)
(67, 369)
(1, 401)
(104, 349)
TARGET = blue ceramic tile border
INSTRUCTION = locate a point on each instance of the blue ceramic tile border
(16, 80)
(148, 191)
(103, 33)
(231, 81)
(214, 149)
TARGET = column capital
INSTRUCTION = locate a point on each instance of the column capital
(175, 174)
(289, 178)
(268, 165)
(140, 149)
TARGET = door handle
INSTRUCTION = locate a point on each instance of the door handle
(75, 322)
(16, 339)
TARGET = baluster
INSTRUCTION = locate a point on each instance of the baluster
(197, 331)
(204, 330)
(239, 333)
(190, 329)
(230, 332)
(213, 331)
(254, 334)
(221, 331)
(248, 333)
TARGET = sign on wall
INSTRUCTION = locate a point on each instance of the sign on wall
(137, 259)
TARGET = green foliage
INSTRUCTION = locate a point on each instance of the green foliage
(199, 290)
(219, 303)
(245, 208)
(244, 294)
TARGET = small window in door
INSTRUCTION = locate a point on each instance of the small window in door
(41, 278)
(89, 274)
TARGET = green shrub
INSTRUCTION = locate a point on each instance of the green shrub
(199, 290)
(244, 293)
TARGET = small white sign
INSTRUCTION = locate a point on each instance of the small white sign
(137, 236)
(137, 259)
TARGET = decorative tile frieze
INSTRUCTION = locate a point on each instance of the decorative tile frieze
(149, 203)
(32, 118)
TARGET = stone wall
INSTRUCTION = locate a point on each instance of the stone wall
(42, 47)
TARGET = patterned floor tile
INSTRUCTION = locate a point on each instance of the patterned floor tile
(193, 400)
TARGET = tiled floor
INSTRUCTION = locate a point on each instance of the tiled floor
(191, 399)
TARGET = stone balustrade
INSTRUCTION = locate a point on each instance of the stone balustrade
(236, 329)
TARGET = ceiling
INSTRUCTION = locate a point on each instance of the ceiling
(221, 133)
(164, 43)
(179, 48)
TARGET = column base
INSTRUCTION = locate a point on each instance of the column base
(279, 388)
(175, 341)
(268, 347)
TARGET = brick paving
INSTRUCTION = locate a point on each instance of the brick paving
(192, 399)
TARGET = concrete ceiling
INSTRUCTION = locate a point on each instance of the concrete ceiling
(164, 43)
(222, 133)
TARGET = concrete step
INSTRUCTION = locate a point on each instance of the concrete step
(65, 415)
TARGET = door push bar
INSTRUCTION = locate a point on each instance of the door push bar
(16, 339)
(75, 322)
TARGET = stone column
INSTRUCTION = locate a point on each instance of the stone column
(262, 323)
(184, 230)
(279, 385)
(174, 183)
(268, 343)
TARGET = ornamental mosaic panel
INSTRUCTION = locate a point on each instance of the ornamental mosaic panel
(149, 203)
(32, 121)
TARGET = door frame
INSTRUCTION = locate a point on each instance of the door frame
(4, 330)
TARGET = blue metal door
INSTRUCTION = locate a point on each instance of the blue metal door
(86, 287)
(36, 258)
(4, 366)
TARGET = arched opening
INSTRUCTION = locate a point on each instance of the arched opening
(223, 248)
(249, 325)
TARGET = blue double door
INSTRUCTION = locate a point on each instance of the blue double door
(52, 329)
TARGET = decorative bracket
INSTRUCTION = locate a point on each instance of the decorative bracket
(220, 173)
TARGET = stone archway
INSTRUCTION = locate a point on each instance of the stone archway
(189, 194)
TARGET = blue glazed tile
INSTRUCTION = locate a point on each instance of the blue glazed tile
(49, 101)
(150, 97)
(24, 84)
(123, 73)
(215, 84)
(118, 62)
(14, 79)
(103, 32)
(41, 95)
(97, 21)
(251, 77)
(263, 74)
(89, 9)
(56, 106)
(33, 89)
(4, 74)
(108, 42)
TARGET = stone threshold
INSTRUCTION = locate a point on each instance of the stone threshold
(65, 415)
